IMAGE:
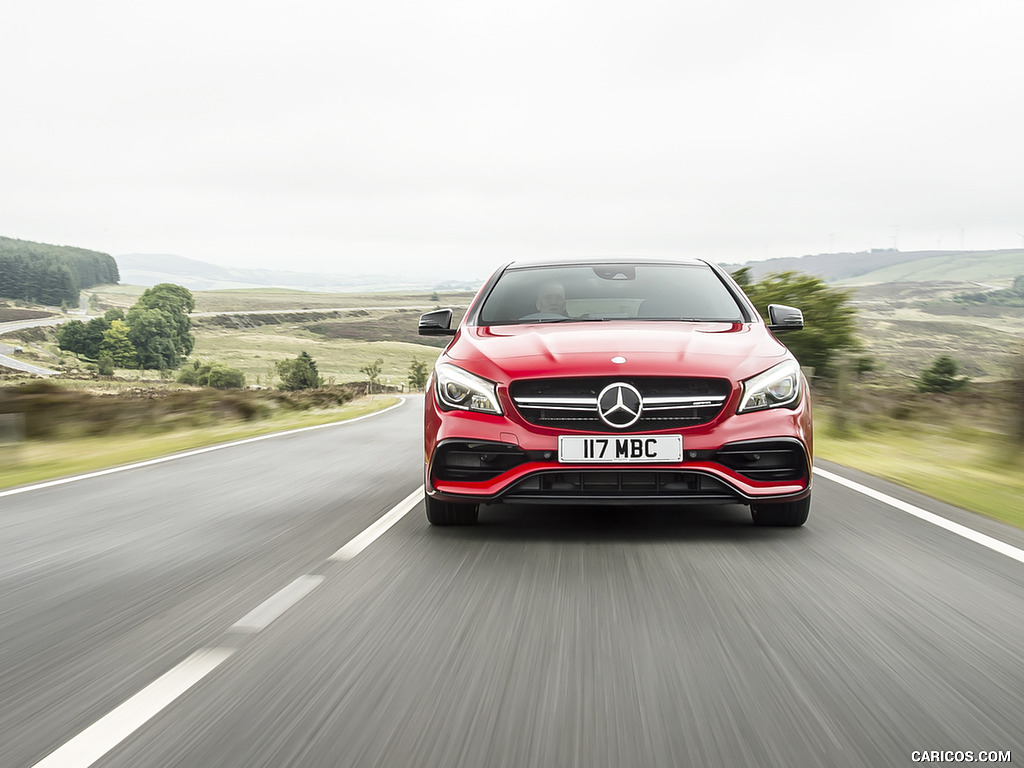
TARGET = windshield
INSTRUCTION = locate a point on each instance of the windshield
(590, 292)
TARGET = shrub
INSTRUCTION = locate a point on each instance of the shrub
(105, 365)
(216, 375)
(223, 377)
(941, 376)
(300, 373)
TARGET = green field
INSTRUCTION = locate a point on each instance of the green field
(256, 350)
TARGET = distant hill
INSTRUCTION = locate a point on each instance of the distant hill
(150, 269)
(891, 266)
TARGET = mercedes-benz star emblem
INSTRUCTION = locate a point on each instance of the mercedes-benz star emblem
(619, 405)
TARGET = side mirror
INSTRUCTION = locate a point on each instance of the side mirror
(437, 323)
(782, 318)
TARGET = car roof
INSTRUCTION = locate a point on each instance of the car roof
(592, 260)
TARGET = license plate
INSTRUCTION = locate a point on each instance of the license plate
(577, 449)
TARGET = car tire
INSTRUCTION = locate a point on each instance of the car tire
(449, 513)
(785, 513)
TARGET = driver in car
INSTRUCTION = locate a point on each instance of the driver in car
(551, 299)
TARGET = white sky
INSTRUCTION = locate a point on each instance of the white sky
(445, 137)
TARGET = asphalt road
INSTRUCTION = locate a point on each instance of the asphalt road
(6, 349)
(189, 613)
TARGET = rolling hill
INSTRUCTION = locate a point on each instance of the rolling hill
(890, 266)
(150, 269)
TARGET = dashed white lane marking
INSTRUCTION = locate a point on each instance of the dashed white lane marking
(195, 452)
(109, 731)
(960, 530)
(371, 534)
(260, 616)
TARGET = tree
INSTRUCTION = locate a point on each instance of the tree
(168, 296)
(941, 376)
(372, 371)
(743, 277)
(153, 334)
(51, 274)
(299, 373)
(94, 331)
(84, 339)
(829, 318)
(118, 346)
(71, 336)
(161, 327)
(418, 374)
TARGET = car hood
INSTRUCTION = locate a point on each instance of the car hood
(724, 350)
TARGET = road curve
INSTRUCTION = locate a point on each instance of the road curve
(19, 365)
(541, 637)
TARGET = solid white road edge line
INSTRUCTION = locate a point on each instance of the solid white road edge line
(960, 530)
(260, 616)
(194, 452)
(375, 530)
(111, 729)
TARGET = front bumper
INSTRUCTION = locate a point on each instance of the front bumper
(748, 458)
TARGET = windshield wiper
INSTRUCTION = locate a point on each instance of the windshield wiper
(688, 319)
(570, 320)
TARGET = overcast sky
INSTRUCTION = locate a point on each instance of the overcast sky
(447, 137)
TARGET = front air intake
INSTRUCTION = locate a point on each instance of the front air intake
(765, 460)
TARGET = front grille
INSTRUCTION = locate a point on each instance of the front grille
(766, 460)
(618, 484)
(668, 403)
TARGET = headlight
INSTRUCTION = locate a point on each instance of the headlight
(457, 388)
(775, 388)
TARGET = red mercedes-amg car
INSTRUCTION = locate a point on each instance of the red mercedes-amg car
(616, 382)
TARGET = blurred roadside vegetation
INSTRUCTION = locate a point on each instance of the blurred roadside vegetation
(141, 423)
(52, 410)
(964, 447)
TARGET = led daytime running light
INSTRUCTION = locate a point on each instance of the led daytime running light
(778, 387)
(462, 390)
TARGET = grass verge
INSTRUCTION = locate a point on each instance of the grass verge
(971, 468)
(37, 460)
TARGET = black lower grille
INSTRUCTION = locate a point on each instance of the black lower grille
(766, 460)
(668, 402)
(619, 484)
